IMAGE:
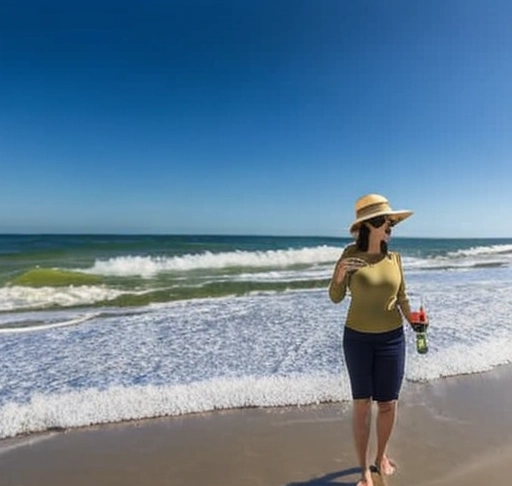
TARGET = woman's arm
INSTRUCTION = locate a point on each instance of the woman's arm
(339, 280)
(402, 299)
(338, 285)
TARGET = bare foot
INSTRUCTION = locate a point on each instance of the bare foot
(366, 479)
(387, 466)
(378, 478)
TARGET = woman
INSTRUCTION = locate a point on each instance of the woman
(373, 340)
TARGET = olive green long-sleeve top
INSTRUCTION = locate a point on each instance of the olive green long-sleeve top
(378, 293)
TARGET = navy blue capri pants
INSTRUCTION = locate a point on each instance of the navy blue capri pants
(375, 363)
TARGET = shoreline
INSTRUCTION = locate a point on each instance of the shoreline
(451, 431)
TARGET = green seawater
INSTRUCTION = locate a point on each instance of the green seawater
(48, 277)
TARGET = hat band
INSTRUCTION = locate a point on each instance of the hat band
(373, 209)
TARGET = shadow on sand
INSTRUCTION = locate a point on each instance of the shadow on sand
(331, 479)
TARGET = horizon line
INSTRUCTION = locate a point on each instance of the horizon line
(247, 235)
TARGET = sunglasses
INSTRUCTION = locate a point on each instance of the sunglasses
(378, 221)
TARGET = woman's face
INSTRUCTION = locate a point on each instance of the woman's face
(380, 227)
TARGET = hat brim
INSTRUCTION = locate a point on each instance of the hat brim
(395, 216)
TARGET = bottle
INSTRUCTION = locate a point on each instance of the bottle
(420, 328)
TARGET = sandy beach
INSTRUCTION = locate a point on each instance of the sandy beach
(455, 431)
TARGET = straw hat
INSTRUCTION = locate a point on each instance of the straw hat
(371, 205)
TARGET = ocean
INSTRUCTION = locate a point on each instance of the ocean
(100, 328)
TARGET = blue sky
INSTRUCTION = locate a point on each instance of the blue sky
(266, 117)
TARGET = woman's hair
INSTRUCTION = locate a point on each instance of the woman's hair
(363, 240)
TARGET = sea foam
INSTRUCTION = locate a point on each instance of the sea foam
(148, 266)
(92, 406)
(19, 297)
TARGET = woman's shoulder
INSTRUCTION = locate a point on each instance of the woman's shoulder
(395, 256)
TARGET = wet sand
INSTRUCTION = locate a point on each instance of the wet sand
(452, 432)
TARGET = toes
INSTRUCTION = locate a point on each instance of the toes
(388, 466)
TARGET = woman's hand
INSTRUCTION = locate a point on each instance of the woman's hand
(414, 319)
(350, 264)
